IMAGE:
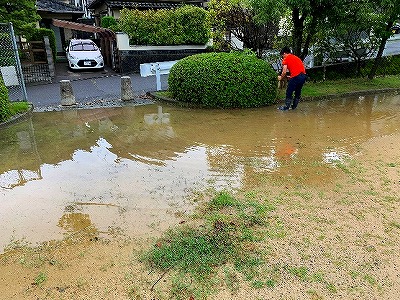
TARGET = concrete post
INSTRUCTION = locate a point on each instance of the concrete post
(67, 94)
(126, 89)
(49, 55)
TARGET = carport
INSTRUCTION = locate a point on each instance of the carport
(107, 37)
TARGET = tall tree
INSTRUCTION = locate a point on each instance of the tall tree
(349, 32)
(306, 16)
(388, 12)
(253, 22)
(21, 13)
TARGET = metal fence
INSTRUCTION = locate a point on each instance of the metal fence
(10, 65)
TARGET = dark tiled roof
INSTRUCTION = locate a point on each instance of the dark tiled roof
(141, 4)
(57, 7)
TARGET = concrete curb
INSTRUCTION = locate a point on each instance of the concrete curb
(350, 94)
(305, 99)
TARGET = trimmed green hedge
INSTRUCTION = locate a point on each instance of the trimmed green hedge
(181, 26)
(223, 80)
(5, 112)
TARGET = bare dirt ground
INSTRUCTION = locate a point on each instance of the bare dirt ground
(341, 241)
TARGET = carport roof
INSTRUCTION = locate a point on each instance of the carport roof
(103, 32)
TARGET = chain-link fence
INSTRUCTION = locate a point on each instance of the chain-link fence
(10, 65)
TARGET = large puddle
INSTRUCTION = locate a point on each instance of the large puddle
(135, 169)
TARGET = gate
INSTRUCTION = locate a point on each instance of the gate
(10, 65)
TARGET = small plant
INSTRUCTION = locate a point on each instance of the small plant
(40, 279)
(18, 107)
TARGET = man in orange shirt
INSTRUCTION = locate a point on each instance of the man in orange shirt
(295, 66)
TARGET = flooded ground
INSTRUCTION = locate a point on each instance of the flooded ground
(137, 170)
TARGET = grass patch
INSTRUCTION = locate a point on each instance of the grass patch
(226, 241)
(19, 107)
(331, 87)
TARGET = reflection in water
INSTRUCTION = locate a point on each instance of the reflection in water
(134, 167)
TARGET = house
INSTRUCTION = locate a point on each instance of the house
(101, 8)
(49, 10)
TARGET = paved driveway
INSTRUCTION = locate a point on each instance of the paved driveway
(91, 88)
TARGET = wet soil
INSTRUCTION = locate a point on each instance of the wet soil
(84, 192)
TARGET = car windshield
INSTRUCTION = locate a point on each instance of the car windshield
(83, 47)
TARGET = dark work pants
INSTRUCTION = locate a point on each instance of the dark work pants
(295, 85)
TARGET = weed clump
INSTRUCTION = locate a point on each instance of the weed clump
(224, 239)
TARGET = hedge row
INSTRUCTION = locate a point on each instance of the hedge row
(223, 80)
(5, 112)
(180, 26)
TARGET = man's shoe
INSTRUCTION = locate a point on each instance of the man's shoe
(295, 103)
(283, 107)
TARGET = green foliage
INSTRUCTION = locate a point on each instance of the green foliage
(7, 54)
(18, 107)
(194, 253)
(21, 13)
(223, 80)
(253, 22)
(109, 22)
(40, 279)
(39, 33)
(5, 112)
(389, 65)
(184, 25)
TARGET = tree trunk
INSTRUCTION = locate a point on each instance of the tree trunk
(378, 58)
(298, 31)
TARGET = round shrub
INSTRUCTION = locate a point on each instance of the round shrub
(5, 112)
(223, 80)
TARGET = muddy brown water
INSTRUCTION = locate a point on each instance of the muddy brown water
(134, 170)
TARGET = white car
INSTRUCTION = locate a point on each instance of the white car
(84, 54)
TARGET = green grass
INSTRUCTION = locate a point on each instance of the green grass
(332, 87)
(19, 107)
(228, 237)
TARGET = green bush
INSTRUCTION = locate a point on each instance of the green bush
(182, 26)
(109, 22)
(223, 80)
(5, 112)
(39, 33)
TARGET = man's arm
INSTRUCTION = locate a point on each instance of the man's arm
(283, 74)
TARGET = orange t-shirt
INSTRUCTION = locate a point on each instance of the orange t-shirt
(294, 65)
